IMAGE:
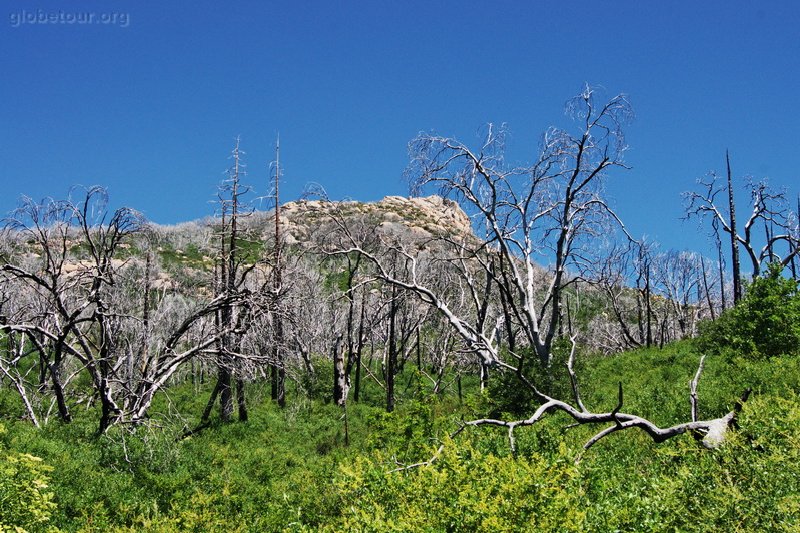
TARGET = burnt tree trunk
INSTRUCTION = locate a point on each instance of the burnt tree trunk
(391, 363)
(736, 265)
(339, 374)
(360, 347)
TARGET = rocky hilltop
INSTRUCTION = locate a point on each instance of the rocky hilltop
(423, 217)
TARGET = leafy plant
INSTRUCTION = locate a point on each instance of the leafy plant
(465, 490)
(26, 500)
(764, 324)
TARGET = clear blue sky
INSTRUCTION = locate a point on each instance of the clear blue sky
(149, 106)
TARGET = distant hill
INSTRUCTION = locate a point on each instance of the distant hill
(422, 218)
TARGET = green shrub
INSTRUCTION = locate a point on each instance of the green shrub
(764, 324)
(749, 484)
(130, 447)
(289, 469)
(26, 500)
(509, 395)
(465, 490)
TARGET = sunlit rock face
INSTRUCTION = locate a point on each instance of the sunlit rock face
(420, 218)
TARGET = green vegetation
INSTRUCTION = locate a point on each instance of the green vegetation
(290, 469)
(766, 323)
(26, 501)
(126, 348)
(191, 257)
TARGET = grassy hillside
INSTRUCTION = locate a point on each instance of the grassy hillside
(291, 469)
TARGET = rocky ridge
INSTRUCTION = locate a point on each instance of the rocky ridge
(423, 217)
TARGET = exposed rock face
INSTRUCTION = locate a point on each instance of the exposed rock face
(442, 214)
(422, 217)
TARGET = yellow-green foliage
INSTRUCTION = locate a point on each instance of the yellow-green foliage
(290, 470)
(464, 490)
(25, 499)
(751, 483)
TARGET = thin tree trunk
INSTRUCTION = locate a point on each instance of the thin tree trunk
(360, 347)
(58, 390)
(340, 386)
(55, 378)
(511, 336)
(737, 282)
(721, 265)
(225, 394)
(240, 400)
(705, 288)
(223, 320)
(392, 352)
(648, 305)
(145, 342)
(793, 247)
(419, 351)
(210, 404)
(278, 371)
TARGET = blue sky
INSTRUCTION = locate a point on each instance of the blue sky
(149, 104)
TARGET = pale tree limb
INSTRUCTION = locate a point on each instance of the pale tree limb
(693, 388)
(20, 386)
(572, 377)
(713, 431)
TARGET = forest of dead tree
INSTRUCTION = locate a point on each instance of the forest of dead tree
(485, 274)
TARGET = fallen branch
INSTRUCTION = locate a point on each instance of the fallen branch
(693, 388)
(713, 431)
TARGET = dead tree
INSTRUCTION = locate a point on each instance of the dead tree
(84, 308)
(278, 369)
(226, 283)
(720, 263)
(81, 323)
(391, 349)
(769, 213)
(488, 351)
(548, 210)
(735, 262)
(645, 288)
(623, 277)
(553, 206)
(233, 271)
(353, 343)
(793, 225)
(38, 240)
(639, 284)
(676, 281)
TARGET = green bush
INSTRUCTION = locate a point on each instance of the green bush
(290, 469)
(130, 447)
(749, 484)
(465, 490)
(26, 500)
(764, 324)
(509, 395)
